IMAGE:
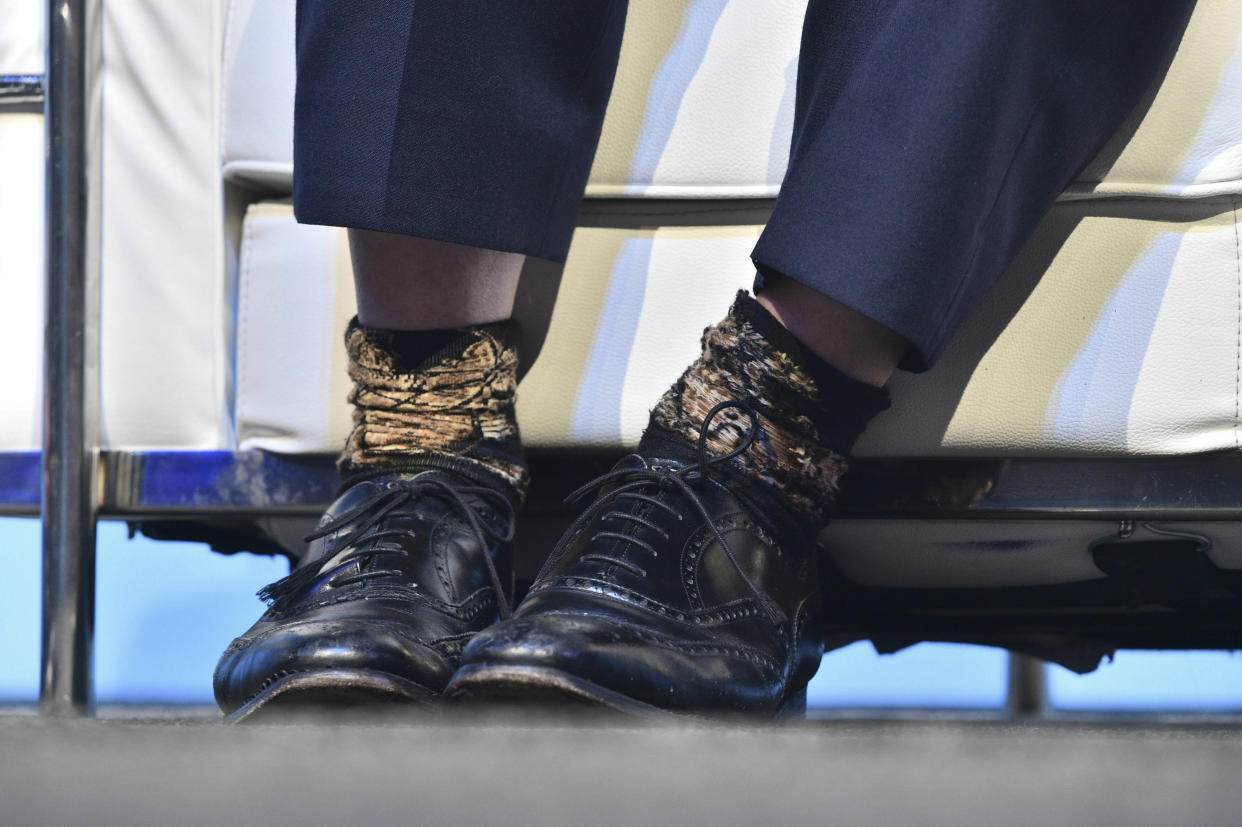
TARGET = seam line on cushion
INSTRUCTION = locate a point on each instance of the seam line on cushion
(226, 77)
(226, 364)
(1237, 366)
(243, 327)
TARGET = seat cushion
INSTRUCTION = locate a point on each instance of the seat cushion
(164, 303)
(21, 38)
(1146, 238)
(154, 158)
(1188, 141)
(21, 273)
(21, 235)
(625, 324)
(1126, 346)
(1114, 332)
(687, 68)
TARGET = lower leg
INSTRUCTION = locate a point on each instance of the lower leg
(859, 347)
(914, 177)
(407, 283)
(433, 358)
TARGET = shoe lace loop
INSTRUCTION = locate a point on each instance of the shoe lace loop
(636, 484)
(369, 545)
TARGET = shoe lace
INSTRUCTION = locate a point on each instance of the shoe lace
(624, 486)
(369, 545)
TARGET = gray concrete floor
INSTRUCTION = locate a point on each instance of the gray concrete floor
(512, 768)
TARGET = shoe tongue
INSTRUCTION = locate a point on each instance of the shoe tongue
(666, 445)
(630, 462)
(349, 497)
(360, 564)
(347, 500)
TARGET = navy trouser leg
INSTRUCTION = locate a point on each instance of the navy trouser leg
(470, 121)
(931, 138)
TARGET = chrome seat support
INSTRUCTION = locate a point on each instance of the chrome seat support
(70, 445)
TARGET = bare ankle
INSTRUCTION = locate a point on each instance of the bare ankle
(407, 283)
(860, 347)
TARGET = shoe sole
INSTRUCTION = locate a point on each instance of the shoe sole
(527, 685)
(332, 692)
(541, 686)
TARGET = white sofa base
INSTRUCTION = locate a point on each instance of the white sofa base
(1145, 363)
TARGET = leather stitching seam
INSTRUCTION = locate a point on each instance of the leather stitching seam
(466, 610)
(750, 655)
(441, 560)
(737, 610)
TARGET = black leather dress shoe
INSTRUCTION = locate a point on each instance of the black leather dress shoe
(402, 571)
(665, 594)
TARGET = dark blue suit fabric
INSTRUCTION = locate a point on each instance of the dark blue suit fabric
(929, 138)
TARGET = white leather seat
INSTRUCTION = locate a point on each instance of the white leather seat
(1142, 245)
(21, 228)
(166, 297)
(179, 313)
(687, 67)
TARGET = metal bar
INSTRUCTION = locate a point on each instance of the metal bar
(175, 485)
(193, 484)
(19, 89)
(1198, 488)
(70, 455)
(1027, 694)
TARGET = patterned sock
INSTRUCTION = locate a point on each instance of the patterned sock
(810, 414)
(440, 398)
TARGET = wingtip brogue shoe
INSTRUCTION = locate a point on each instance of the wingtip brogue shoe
(402, 571)
(667, 594)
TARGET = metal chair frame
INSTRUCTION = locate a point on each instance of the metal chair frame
(72, 485)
